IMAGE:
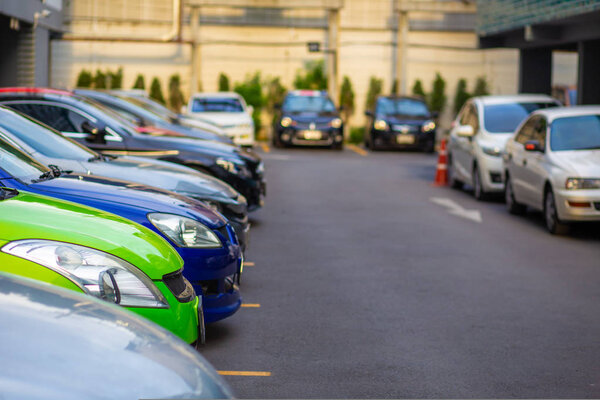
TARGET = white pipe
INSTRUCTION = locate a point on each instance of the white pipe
(175, 32)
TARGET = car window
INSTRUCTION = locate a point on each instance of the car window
(464, 114)
(526, 131)
(407, 107)
(58, 118)
(41, 138)
(216, 104)
(575, 133)
(308, 104)
(18, 164)
(505, 118)
(539, 131)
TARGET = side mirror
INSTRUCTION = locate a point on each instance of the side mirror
(95, 135)
(369, 113)
(533, 145)
(250, 110)
(465, 131)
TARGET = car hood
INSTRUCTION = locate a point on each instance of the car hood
(197, 123)
(31, 216)
(584, 163)
(226, 119)
(82, 338)
(164, 175)
(495, 140)
(189, 131)
(307, 117)
(129, 194)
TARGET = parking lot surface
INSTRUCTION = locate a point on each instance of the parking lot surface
(365, 281)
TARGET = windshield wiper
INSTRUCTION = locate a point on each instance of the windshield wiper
(6, 193)
(97, 157)
(44, 177)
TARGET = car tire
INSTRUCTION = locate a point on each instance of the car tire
(452, 181)
(372, 145)
(478, 190)
(338, 147)
(512, 205)
(553, 224)
(277, 141)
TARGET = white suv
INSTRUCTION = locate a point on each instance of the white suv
(227, 110)
(479, 135)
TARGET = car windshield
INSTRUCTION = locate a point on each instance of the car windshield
(40, 138)
(408, 107)
(19, 165)
(575, 133)
(504, 118)
(111, 117)
(308, 104)
(216, 104)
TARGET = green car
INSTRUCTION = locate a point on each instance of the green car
(98, 253)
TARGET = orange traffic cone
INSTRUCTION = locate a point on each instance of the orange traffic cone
(441, 173)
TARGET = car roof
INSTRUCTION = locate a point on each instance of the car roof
(34, 90)
(216, 94)
(561, 112)
(307, 92)
(518, 98)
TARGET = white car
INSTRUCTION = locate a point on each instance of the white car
(479, 135)
(227, 110)
(552, 164)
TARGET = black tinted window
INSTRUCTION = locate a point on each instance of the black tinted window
(526, 131)
(408, 107)
(217, 104)
(308, 104)
(504, 118)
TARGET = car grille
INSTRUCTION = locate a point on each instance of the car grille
(218, 286)
(223, 230)
(180, 287)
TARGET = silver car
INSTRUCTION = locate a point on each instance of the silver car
(552, 164)
(479, 134)
(58, 344)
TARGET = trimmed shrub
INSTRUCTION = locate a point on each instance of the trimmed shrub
(251, 90)
(461, 95)
(176, 99)
(224, 83)
(375, 87)
(139, 82)
(437, 98)
(84, 79)
(312, 77)
(417, 89)
(156, 91)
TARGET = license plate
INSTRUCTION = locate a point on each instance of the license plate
(405, 139)
(312, 135)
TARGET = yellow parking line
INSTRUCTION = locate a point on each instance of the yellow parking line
(250, 305)
(265, 147)
(245, 373)
(357, 150)
(248, 264)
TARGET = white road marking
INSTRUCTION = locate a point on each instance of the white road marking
(456, 209)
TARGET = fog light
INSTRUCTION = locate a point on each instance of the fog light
(579, 204)
(285, 137)
(339, 138)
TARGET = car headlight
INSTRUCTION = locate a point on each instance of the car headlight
(229, 166)
(184, 231)
(582, 183)
(286, 121)
(428, 126)
(336, 123)
(492, 151)
(380, 125)
(96, 272)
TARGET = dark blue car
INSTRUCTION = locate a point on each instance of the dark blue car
(206, 242)
(400, 122)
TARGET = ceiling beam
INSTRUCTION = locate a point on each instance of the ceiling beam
(283, 4)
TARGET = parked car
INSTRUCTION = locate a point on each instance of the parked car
(400, 122)
(106, 132)
(308, 118)
(51, 148)
(99, 254)
(142, 100)
(552, 164)
(227, 110)
(202, 237)
(479, 135)
(147, 121)
(57, 344)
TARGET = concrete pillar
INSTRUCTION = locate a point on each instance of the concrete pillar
(588, 84)
(333, 54)
(402, 52)
(195, 72)
(42, 56)
(535, 71)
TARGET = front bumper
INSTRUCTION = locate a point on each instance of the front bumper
(241, 136)
(413, 139)
(490, 168)
(305, 137)
(180, 318)
(253, 188)
(578, 205)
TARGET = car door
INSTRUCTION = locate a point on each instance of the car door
(534, 168)
(517, 160)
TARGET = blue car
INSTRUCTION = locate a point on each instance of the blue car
(206, 242)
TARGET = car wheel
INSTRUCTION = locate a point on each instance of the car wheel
(372, 144)
(553, 224)
(277, 141)
(452, 181)
(512, 205)
(478, 190)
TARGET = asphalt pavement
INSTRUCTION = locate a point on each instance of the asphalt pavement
(365, 281)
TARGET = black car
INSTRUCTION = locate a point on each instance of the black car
(102, 130)
(400, 122)
(308, 118)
